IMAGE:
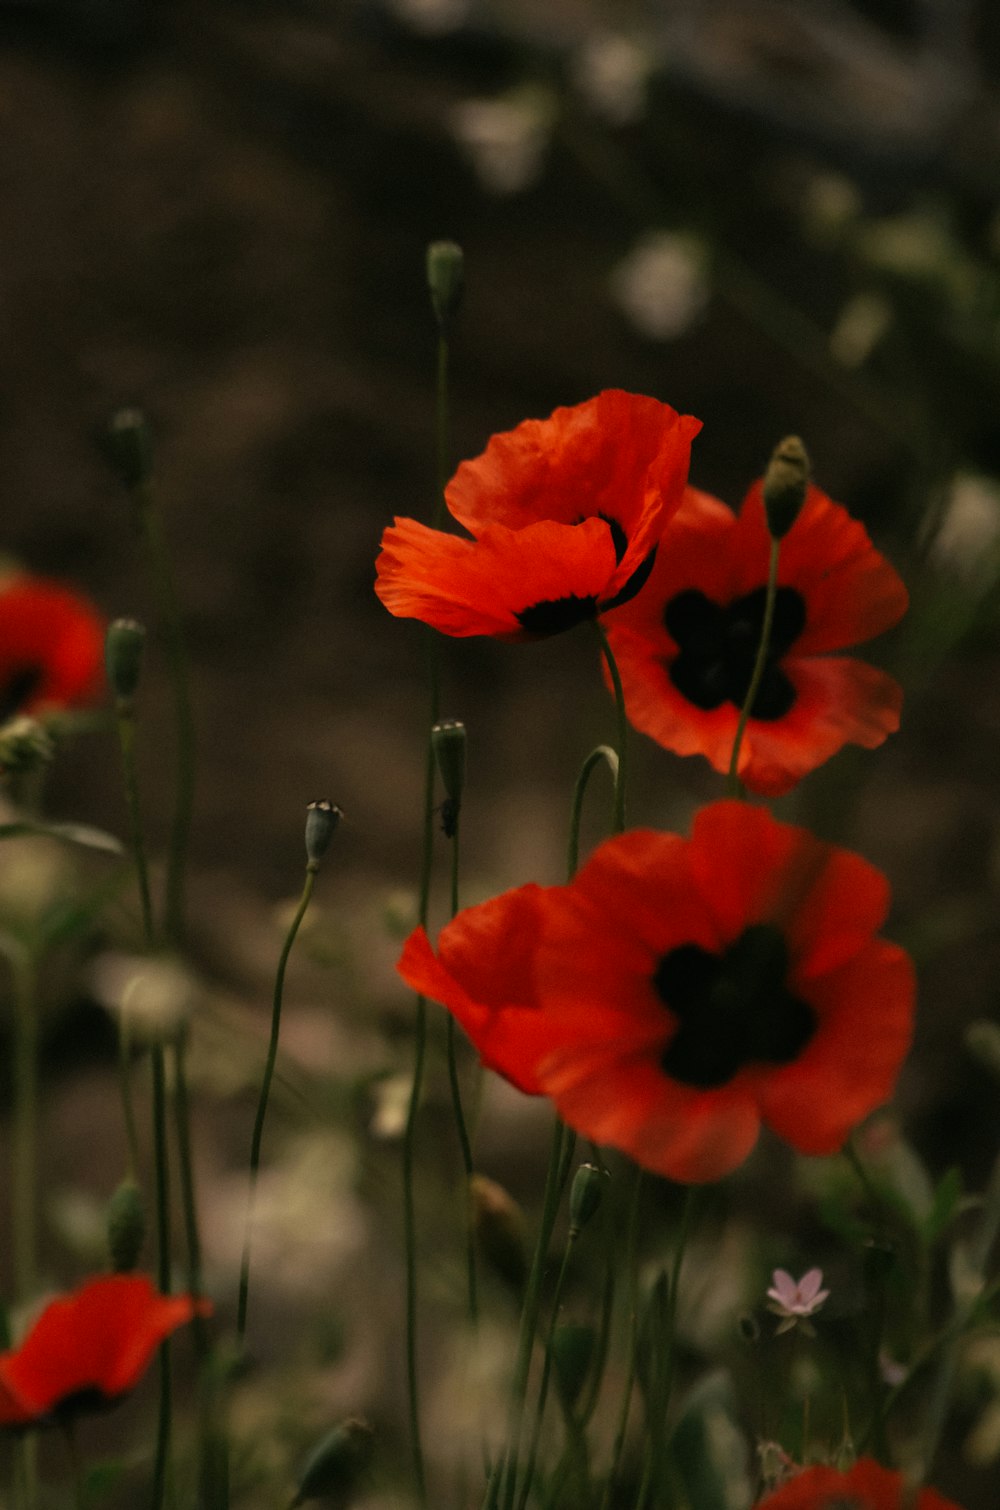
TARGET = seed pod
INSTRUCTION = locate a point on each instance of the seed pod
(321, 825)
(123, 649)
(786, 482)
(445, 280)
(128, 446)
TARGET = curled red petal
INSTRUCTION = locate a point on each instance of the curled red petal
(98, 1340)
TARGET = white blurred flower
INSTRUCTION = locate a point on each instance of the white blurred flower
(794, 1300)
(861, 324)
(611, 72)
(154, 995)
(662, 284)
(506, 137)
(433, 17)
(968, 540)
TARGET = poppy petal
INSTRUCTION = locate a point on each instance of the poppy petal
(472, 587)
(867, 1486)
(51, 648)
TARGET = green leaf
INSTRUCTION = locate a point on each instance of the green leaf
(945, 1205)
(69, 833)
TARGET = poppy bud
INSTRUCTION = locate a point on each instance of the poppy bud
(448, 743)
(321, 825)
(785, 484)
(128, 446)
(126, 1227)
(445, 279)
(25, 745)
(572, 1352)
(584, 1197)
(336, 1466)
(498, 1223)
(123, 647)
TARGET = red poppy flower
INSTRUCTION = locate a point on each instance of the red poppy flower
(687, 644)
(51, 648)
(866, 1486)
(679, 993)
(566, 515)
(89, 1348)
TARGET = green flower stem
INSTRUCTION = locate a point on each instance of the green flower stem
(265, 1090)
(182, 1119)
(610, 757)
(508, 1463)
(979, 1253)
(24, 1176)
(658, 1441)
(543, 1388)
(758, 667)
(168, 607)
(442, 428)
(25, 1129)
(632, 1270)
(621, 774)
(161, 1464)
(125, 720)
(460, 1122)
(610, 1236)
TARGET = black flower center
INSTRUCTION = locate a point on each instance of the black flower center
(553, 615)
(20, 684)
(717, 646)
(732, 1009)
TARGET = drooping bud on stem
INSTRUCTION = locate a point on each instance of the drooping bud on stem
(584, 1197)
(128, 446)
(126, 1227)
(445, 280)
(123, 650)
(498, 1222)
(336, 1467)
(785, 484)
(321, 825)
(448, 744)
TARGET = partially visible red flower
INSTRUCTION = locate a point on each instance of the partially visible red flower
(89, 1348)
(686, 645)
(866, 1486)
(51, 648)
(566, 515)
(679, 993)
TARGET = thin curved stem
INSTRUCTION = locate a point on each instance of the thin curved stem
(621, 778)
(758, 667)
(610, 757)
(632, 1270)
(161, 1464)
(461, 1126)
(265, 1091)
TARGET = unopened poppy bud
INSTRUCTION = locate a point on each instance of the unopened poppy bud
(448, 744)
(572, 1352)
(786, 482)
(25, 745)
(498, 1222)
(445, 279)
(123, 648)
(336, 1466)
(126, 1227)
(321, 825)
(128, 446)
(584, 1197)
(982, 1038)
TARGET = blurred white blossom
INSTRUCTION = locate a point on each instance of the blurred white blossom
(611, 72)
(433, 17)
(154, 995)
(506, 137)
(861, 324)
(662, 285)
(968, 539)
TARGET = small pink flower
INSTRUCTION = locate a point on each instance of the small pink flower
(796, 1300)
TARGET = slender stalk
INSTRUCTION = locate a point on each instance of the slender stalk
(632, 1270)
(610, 757)
(529, 1318)
(543, 1388)
(188, 1199)
(461, 1125)
(621, 774)
(25, 1129)
(664, 1384)
(125, 719)
(161, 1464)
(168, 607)
(758, 667)
(265, 1091)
